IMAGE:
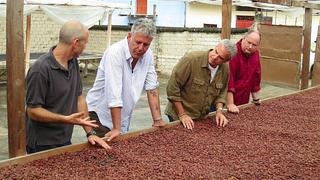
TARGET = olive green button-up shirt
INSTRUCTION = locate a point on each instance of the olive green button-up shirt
(190, 84)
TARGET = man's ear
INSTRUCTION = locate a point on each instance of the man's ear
(75, 41)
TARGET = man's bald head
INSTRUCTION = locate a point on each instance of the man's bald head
(254, 34)
(72, 29)
(251, 42)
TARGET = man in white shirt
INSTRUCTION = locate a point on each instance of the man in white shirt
(126, 68)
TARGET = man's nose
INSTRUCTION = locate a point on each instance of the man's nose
(141, 47)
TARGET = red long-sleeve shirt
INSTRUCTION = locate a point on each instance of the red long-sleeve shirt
(245, 75)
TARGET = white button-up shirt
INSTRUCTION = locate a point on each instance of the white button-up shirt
(116, 85)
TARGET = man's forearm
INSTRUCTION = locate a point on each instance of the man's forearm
(179, 108)
(42, 115)
(229, 98)
(154, 103)
(116, 117)
(82, 107)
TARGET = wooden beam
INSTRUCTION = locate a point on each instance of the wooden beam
(316, 64)
(226, 19)
(295, 3)
(306, 48)
(27, 51)
(280, 2)
(15, 79)
(305, 4)
(109, 27)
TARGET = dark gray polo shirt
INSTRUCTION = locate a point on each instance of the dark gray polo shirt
(55, 89)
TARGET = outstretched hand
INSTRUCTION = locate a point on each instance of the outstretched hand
(79, 119)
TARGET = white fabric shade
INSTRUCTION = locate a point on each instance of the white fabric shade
(88, 12)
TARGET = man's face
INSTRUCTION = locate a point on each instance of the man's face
(250, 44)
(138, 44)
(218, 56)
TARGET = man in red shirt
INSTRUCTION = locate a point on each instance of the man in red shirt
(245, 72)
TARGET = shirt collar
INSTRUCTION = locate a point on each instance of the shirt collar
(212, 68)
(126, 49)
(54, 63)
(204, 60)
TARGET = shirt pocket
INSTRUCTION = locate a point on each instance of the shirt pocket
(197, 85)
(215, 89)
(219, 87)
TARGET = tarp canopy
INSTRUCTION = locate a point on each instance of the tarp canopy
(294, 11)
(89, 12)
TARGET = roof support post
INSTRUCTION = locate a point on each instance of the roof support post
(306, 48)
(226, 19)
(15, 79)
(109, 27)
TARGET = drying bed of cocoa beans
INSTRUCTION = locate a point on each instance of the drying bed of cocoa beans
(280, 139)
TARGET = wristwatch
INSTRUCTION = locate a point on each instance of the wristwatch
(92, 132)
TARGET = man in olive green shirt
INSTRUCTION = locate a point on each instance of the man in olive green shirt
(199, 80)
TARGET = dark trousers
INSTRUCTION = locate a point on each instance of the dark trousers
(101, 130)
(39, 148)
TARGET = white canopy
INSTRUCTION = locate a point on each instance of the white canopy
(89, 12)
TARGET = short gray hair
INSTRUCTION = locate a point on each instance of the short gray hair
(145, 26)
(229, 46)
(70, 30)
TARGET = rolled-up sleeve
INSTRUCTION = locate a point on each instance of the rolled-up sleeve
(231, 83)
(113, 84)
(151, 81)
(257, 76)
(222, 95)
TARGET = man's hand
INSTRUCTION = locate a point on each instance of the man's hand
(112, 134)
(232, 108)
(93, 139)
(77, 118)
(159, 123)
(221, 120)
(186, 121)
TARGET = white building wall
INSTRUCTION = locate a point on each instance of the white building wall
(197, 14)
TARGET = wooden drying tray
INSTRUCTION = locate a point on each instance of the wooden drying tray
(81, 146)
(74, 148)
